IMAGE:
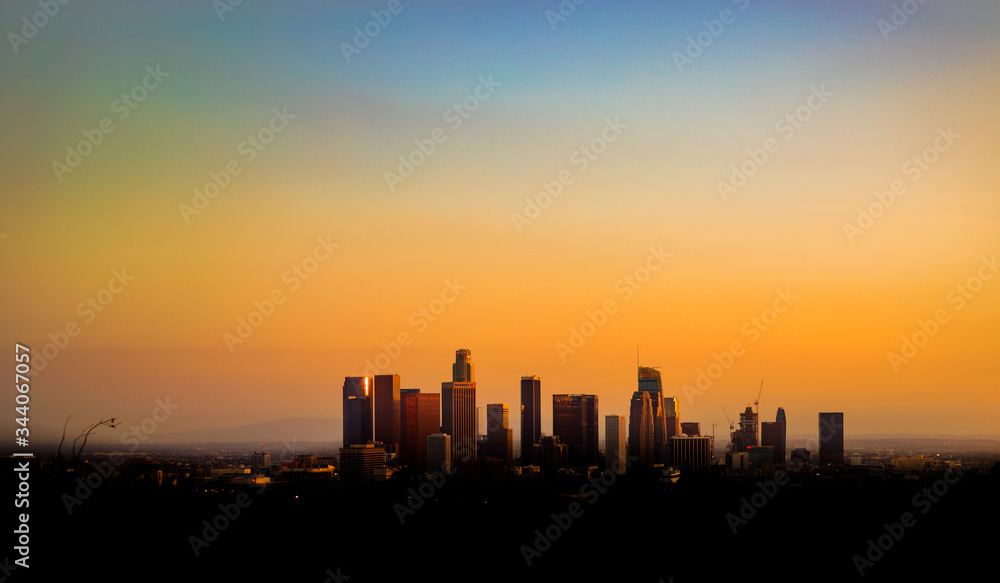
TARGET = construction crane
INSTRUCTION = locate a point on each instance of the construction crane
(756, 402)
(727, 418)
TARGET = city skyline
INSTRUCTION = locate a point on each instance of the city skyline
(298, 290)
(607, 196)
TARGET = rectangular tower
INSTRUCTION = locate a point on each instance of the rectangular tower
(831, 438)
(615, 443)
(531, 416)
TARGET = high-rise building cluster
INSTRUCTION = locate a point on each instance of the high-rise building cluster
(433, 431)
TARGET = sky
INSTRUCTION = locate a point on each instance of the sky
(231, 208)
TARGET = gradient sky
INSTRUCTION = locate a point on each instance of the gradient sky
(654, 186)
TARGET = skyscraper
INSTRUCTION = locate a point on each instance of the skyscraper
(420, 416)
(574, 420)
(531, 416)
(500, 438)
(387, 410)
(615, 443)
(459, 401)
(831, 438)
(650, 382)
(772, 433)
(784, 433)
(746, 436)
(458, 407)
(358, 412)
(640, 428)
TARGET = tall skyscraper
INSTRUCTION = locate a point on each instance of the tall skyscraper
(458, 407)
(574, 420)
(831, 438)
(651, 383)
(784, 433)
(500, 438)
(640, 428)
(531, 417)
(615, 443)
(458, 418)
(387, 410)
(772, 433)
(358, 411)
(746, 436)
(420, 416)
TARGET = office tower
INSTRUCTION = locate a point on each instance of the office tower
(831, 438)
(692, 452)
(358, 412)
(772, 434)
(481, 423)
(458, 407)
(387, 410)
(420, 416)
(359, 461)
(439, 452)
(650, 382)
(460, 402)
(692, 429)
(550, 453)
(640, 428)
(746, 436)
(615, 443)
(574, 420)
(784, 435)
(500, 438)
(463, 371)
(531, 416)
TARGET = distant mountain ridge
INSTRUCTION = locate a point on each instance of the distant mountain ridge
(301, 429)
